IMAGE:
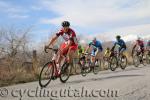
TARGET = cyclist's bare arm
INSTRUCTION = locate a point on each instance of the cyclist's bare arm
(113, 47)
(53, 40)
(133, 49)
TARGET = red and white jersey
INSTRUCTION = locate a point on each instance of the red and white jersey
(70, 35)
(140, 43)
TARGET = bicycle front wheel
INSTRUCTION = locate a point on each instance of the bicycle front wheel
(96, 67)
(136, 60)
(46, 74)
(113, 63)
(83, 71)
(123, 62)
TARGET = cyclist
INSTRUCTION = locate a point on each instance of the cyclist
(70, 45)
(80, 50)
(107, 52)
(96, 49)
(140, 44)
(122, 45)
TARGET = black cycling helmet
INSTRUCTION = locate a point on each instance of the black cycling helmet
(65, 24)
(118, 36)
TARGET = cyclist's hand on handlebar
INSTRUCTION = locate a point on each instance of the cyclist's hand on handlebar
(86, 53)
(45, 48)
(112, 50)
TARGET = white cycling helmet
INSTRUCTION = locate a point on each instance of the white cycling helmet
(139, 38)
(94, 39)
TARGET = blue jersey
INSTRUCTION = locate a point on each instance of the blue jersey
(97, 44)
(121, 43)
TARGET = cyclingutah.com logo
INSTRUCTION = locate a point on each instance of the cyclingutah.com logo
(3, 92)
(62, 93)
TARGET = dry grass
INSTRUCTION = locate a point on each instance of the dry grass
(16, 76)
(20, 75)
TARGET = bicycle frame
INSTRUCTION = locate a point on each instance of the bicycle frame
(55, 68)
(54, 74)
(114, 53)
(86, 56)
(117, 55)
(56, 71)
(54, 62)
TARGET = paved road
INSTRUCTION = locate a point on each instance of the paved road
(130, 84)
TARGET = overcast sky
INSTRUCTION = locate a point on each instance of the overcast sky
(101, 18)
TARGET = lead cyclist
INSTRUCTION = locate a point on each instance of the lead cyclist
(68, 47)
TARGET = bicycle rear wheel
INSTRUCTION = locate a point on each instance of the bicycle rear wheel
(46, 74)
(113, 63)
(65, 72)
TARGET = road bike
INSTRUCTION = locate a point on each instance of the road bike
(139, 58)
(117, 60)
(50, 71)
(87, 65)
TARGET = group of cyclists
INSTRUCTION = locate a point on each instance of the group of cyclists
(71, 45)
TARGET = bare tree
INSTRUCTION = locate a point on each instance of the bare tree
(13, 42)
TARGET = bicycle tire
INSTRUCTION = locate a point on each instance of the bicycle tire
(83, 71)
(65, 67)
(136, 60)
(113, 61)
(96, 68)
(121, 62)
(50, 78)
